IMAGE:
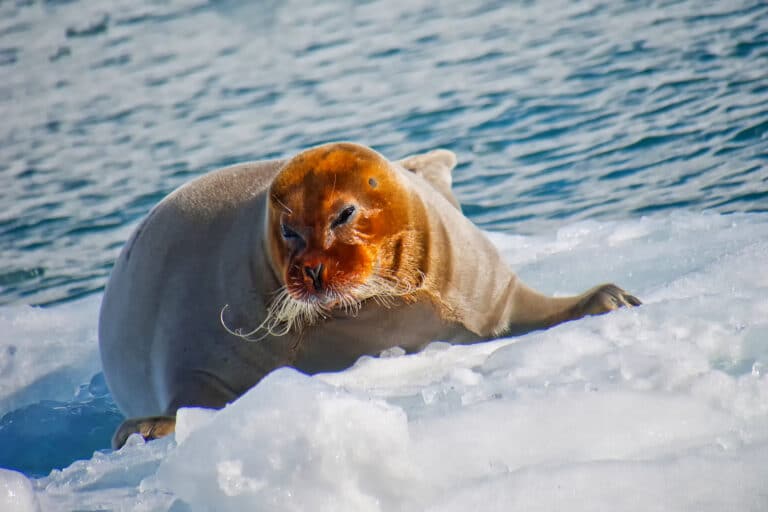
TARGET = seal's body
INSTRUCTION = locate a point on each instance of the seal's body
(310, 262)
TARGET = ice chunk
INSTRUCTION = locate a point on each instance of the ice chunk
(109, 481)
(16, 492)
(190, 419)
(700, 481)
(291, 443)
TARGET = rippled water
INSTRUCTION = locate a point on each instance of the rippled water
(558, 110)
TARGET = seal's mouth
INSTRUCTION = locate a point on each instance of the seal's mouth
(349, 297)
(327, 300)
(322, 301)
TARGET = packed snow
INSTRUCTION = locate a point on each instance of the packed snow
(661, 407)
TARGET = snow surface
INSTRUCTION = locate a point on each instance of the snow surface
(662, 407)
(46, 353)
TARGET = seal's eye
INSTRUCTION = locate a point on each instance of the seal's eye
(343, 217)
(288, 233)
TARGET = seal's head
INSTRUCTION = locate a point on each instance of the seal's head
(341, 230)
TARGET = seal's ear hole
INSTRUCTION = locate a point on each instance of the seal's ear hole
(372, 182)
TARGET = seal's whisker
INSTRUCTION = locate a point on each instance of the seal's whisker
(238, 332)
(289, 312)
(284, 314)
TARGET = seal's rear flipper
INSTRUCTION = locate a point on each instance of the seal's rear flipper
(150, 427)
(435, 167)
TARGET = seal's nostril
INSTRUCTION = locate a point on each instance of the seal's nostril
(316, 274)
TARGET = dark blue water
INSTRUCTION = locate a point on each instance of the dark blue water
(559, 111)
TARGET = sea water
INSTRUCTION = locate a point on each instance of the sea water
(613, 141)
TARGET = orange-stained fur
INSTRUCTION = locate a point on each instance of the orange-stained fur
(385, 238)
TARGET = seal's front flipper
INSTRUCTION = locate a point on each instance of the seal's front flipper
(150, 427)
(602, 299)
(435, 167)
(533, 311)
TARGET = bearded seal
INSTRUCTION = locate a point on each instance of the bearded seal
(309, 262)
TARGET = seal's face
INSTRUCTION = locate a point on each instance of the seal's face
(338, 219)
